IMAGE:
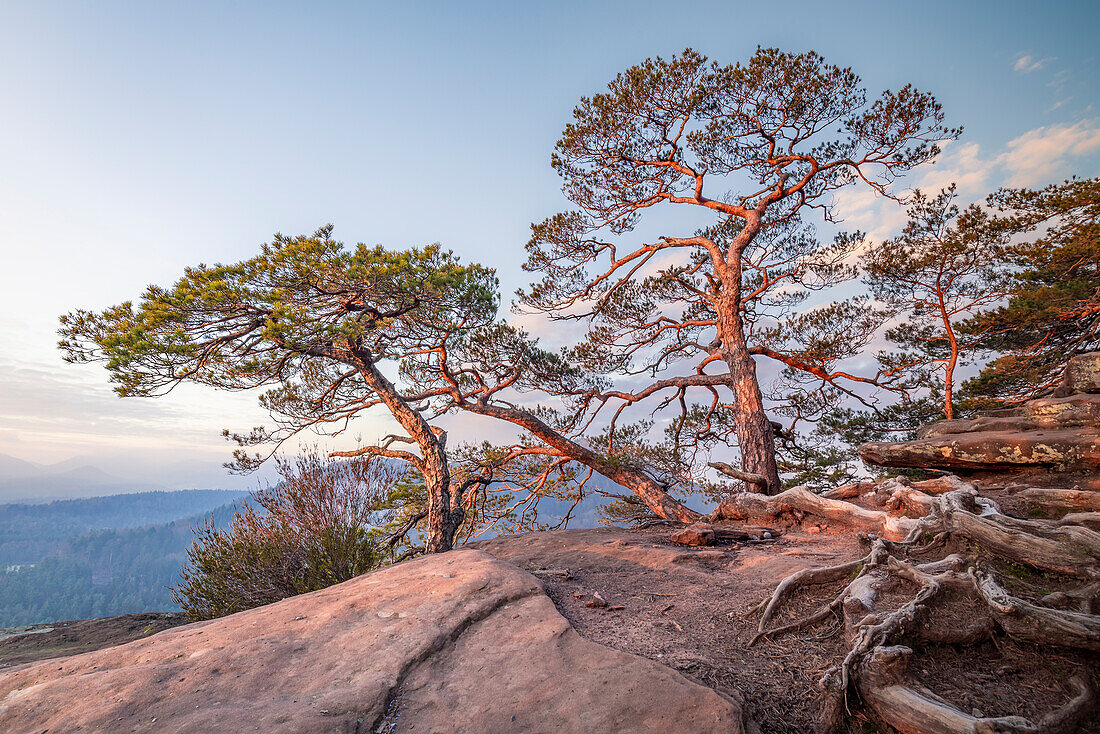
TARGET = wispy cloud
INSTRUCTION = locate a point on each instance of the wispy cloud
(1042, 154)
(1035, 158)
(1026, 63)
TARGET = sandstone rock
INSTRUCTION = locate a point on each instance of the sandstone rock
(458, 642)
(1060, 433)
(1069, 412)
(697, 534)
(1066, 449)
(1082, 374)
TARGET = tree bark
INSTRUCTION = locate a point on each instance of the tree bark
(753, 428)
(751, 424)
(755, 439)
(952, 360)
(643, 485)
(444, 516)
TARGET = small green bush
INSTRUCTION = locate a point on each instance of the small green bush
(322, 524)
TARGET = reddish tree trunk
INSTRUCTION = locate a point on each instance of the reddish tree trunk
(648, 490)
(444, 516)
(751, 423)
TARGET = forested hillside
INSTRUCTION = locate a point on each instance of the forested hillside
(85, 573)
(30, 532)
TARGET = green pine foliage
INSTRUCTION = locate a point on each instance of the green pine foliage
(1053, 309)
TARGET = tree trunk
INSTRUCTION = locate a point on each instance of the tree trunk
(443, 519)
(949, 377)
(648, 490)
(755, 438)
(754, 430)
(751, 424)
(443, 516)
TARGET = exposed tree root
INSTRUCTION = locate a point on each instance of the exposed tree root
(1073, 499)
(1023, 620)
(882, 640)
(884, 686)
(1065, 548)
(800, 501)
(1089, 520)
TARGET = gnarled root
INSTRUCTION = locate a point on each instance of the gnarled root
(809, 576)
(877, 664)
(910, 514)
(1068, 549)
(1060, 499)
(885, 686)
(763, 509)
(1023, 620)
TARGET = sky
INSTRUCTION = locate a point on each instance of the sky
(139, 138)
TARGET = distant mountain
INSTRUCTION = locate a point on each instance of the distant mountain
(30, 532)
(26, 481)
(13, 468)
(116, 473)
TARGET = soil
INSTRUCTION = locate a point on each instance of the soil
(695, 609)
(690, 608)
(38, 642)
(1000, 678)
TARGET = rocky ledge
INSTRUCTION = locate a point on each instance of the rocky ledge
(459, 642)
(1058, 434)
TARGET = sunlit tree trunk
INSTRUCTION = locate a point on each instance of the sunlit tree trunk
(750, 422)
(444, 517)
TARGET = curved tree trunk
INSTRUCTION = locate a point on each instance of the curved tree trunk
(444, 517)
(648, 489)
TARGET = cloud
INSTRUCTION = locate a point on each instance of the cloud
(1026, 63)
(1041, 155)
(1035, 158)
(960, 163)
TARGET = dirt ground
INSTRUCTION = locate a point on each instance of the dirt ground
(39, 642)
(687, 607)
(693, 610)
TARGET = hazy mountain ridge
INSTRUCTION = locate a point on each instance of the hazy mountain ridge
(28, 482)
(29, 532)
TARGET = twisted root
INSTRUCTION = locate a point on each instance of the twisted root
(877, 663)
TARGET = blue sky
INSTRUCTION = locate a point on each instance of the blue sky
(138, 138)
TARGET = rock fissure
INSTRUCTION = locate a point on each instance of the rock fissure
(442, 641)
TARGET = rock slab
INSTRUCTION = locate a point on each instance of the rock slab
(458, 642)
(697, 534)
(1082, 375)
(1058, 434)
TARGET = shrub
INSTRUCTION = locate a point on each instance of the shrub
(322, 524)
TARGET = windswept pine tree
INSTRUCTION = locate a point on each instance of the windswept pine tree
(1053, 309)
(756, 150)
(314, 323)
